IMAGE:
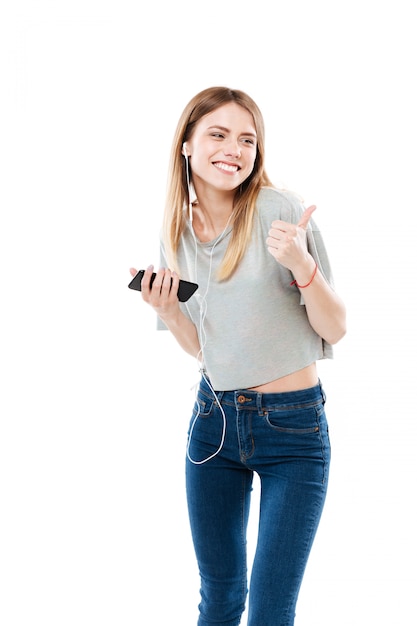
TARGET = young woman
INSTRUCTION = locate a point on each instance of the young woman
(265, 311)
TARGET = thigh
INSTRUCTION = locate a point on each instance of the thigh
(289, 518)
(218, 488)
(218, 497)
(293, 490)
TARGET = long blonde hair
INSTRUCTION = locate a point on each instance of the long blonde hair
(177, 198)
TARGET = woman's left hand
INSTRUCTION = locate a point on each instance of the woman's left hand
(288, 242)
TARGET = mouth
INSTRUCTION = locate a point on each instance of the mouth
(226, 167)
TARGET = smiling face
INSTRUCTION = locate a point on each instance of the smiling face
(222, 149)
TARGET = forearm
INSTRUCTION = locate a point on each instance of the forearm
(184, 332)
(161, 295)
(325, 310)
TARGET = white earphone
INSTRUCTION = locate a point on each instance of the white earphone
(203, 311)
(185, 153)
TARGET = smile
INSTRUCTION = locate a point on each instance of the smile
(226, 167)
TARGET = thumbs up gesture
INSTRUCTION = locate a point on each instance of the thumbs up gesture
(305, 218)
(288, 242)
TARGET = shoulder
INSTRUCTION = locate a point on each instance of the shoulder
(279, 204)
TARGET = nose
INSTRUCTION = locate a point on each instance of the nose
(232, 149)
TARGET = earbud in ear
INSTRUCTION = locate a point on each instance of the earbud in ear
(187, 170)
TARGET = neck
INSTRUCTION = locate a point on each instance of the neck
(212, 211)
(209, 223)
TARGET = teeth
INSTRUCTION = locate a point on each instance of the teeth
(227, 168)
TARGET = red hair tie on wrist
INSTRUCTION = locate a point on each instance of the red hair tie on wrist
(294, 282)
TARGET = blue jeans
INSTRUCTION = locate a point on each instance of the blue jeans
(283, 437)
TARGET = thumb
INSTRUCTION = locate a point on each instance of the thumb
(305, 218)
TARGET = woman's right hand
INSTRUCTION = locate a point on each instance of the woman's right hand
(164, 300)
(162, 296)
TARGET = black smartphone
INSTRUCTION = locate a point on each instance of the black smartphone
(185, 289)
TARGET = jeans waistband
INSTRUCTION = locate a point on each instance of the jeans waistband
(248, 398)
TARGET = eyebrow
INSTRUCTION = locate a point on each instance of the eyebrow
(248, 134)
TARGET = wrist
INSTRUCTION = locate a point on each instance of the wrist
(169, 314)
(305, 274)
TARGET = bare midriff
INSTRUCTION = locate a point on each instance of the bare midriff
(302, 379)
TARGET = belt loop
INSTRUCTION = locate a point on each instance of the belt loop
(218, 397)
(323, 395)
(259, 397)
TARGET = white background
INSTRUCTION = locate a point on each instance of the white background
(94, 402)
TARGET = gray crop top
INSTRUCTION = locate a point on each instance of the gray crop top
(253, 328)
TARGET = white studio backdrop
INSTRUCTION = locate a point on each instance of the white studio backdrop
(95, 403)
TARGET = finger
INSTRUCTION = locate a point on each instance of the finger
(157, 282)
(175, 282)
(170, 284)
(133, 271)
(166, 283)
(280, 234)
(280, 225)
(146, 280)
(305, 218)
(273, 242)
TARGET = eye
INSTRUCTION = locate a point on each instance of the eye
(249, 141)
(217, 135)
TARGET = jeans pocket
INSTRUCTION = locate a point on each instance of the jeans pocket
(203, 405)
(301, 420)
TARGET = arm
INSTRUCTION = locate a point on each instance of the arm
(162, 297)
(326, 311)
